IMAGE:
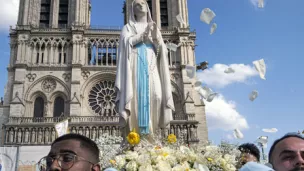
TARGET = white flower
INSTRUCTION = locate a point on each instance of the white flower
(143, 159)
(146, 167)
(120, 161)
(131, 166)
(178, 168)
(200, 167)
(162, 165)
(131, 155)
(171, 160)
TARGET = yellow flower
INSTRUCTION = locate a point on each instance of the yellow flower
(113, 162)
(133, 137)
(209, 159)
(171, 138)
(165, 154)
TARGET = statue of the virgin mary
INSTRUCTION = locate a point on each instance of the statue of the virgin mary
(143, 78)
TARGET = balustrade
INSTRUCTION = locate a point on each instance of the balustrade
(45, 135)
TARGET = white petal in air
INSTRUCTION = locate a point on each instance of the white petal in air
(191, 70)
(263, 140)
(197, 85)
(260, 66)
(180, 19)
(172, 46)
(207, 15)
(271, 130)
(207, 93)
(213, 28)
(261, 4)
(238, 134)
(254, 94)
(229, 70)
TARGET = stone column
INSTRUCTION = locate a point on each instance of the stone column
(156, 12)
(54, 13)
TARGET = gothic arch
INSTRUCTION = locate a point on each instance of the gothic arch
(178, 114)
(105, 82)
(96, 78)
(54, 99)
(29, 90)
(35, 90)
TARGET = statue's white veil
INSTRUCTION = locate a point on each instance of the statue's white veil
(132, 21)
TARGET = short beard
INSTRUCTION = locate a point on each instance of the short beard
(297, 169)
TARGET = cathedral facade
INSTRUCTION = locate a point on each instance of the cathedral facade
(61, 68)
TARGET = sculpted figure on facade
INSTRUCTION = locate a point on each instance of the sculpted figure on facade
(33, 136)
(143, 79)
(26, 136)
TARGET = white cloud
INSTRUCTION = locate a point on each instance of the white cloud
(216, 76)
(8, 13)
(222, 114)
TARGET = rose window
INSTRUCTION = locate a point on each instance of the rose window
(102, 98)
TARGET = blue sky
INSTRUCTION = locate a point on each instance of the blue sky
(245, 33)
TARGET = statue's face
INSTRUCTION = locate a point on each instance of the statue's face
(140, 7)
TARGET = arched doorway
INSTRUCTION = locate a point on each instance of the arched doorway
(58, 107)
(39, 107)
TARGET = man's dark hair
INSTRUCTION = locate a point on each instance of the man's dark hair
(288, 135)
(85, 142)
(251, 149)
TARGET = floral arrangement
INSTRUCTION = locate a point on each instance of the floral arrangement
(139, 154)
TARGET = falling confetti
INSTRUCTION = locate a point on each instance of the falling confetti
(207, 15)
(213, 28)
(229, 70)
(180, 19)
(260, 66)
(172, 46)
(197, 85)
(191, 70)
(261, 4)
(254, 94)
(207, 93)
(271, 130)
(262, 140)
(238, 134)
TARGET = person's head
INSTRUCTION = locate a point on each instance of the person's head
(287, 153)
(249, 153)
(140, 7)
(72, 152)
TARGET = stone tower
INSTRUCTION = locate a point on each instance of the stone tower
(63, 68)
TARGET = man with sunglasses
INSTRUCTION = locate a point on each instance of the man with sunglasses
(71, 152)
(287, 153)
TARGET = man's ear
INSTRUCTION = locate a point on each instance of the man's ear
(96, 167)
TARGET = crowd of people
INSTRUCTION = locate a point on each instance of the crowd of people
(77, 152)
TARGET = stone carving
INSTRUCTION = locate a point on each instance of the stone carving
(66, 77)
(19, 136)
(48, 85)
(53, 135)
(33, 136)
(46, 136)
(26, 136)
(94, 134)
(40, 136)
(31, 77)
(102, 98)
(85, 74)
(1, 101)
(11, 136)
(175, 77)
